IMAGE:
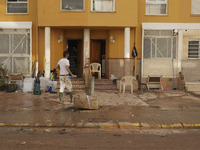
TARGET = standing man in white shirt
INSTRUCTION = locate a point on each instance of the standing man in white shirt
(65, 81)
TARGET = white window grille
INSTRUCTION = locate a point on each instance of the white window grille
(159, 44)
(195, 7)
(156, 7)
(17, 6)
(72, 5)
(159, 49)
(194, 48)
(103, 5)
(15, 50)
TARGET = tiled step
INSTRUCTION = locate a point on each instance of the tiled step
(103, 81)
(192, 86)
(78, 84)
(105, 85)
(106, 88)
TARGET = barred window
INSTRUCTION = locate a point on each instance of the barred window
(195, 7)
(194, 48)
(17, 6)
(159, 44)
(156, 7)
(15, 50)
(103, 5)
(72, 5)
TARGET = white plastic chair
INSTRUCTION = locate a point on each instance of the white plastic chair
(127, 80)
(95, 67)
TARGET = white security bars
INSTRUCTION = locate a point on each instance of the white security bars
(15, 50)
(159, 49)
(195, 7)
(194, 48)
(159, 44)
(17, 6)
(72, 5)
(156, 7)
(103, 5)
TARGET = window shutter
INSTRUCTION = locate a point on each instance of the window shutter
(195, 6)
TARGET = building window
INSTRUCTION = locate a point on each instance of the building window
(17, 6)
(156, 7)
(72, 5)
(160, 44)
(103, 5)
(194, 48)
(195, 7)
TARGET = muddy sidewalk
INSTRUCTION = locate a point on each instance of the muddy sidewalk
(153, 108)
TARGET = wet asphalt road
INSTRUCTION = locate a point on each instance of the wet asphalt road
(96, 139)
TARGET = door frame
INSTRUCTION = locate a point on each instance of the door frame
(82, 44)
(106, 52)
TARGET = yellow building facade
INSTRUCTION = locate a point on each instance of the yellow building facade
(102, 31)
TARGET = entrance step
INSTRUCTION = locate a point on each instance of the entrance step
(192, 86)
(78, 84)
(105, 85)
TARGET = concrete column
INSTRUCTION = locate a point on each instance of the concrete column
(47, 51)
(180, 48)
(86, 48)
(127, 42)
(126, 50)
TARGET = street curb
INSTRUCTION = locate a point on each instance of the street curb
(191, 126)
(174, 126)
(128, 125)
(108, 125)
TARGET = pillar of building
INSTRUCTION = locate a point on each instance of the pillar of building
(127, 61)
(47, 51)
(86, 48)
(127, 42)
(180, 48)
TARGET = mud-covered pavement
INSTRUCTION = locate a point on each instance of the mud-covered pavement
(35, 122)
(97, 139)
(154, 108)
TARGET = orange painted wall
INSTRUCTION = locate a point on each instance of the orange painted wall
(50, 14)
(179, 11)
(41, 52)
(99, 34)
(73, 33)
(129, 13)
(56, 47)
(31, 16)
(116, 50)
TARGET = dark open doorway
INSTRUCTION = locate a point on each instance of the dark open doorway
(98, 54)
(75, 49)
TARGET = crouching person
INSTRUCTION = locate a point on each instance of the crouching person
(65, 81)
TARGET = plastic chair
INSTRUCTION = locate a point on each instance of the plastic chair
(127, 80)
(95, 67)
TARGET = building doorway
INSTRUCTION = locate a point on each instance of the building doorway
(98, 54)
(75, 48)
